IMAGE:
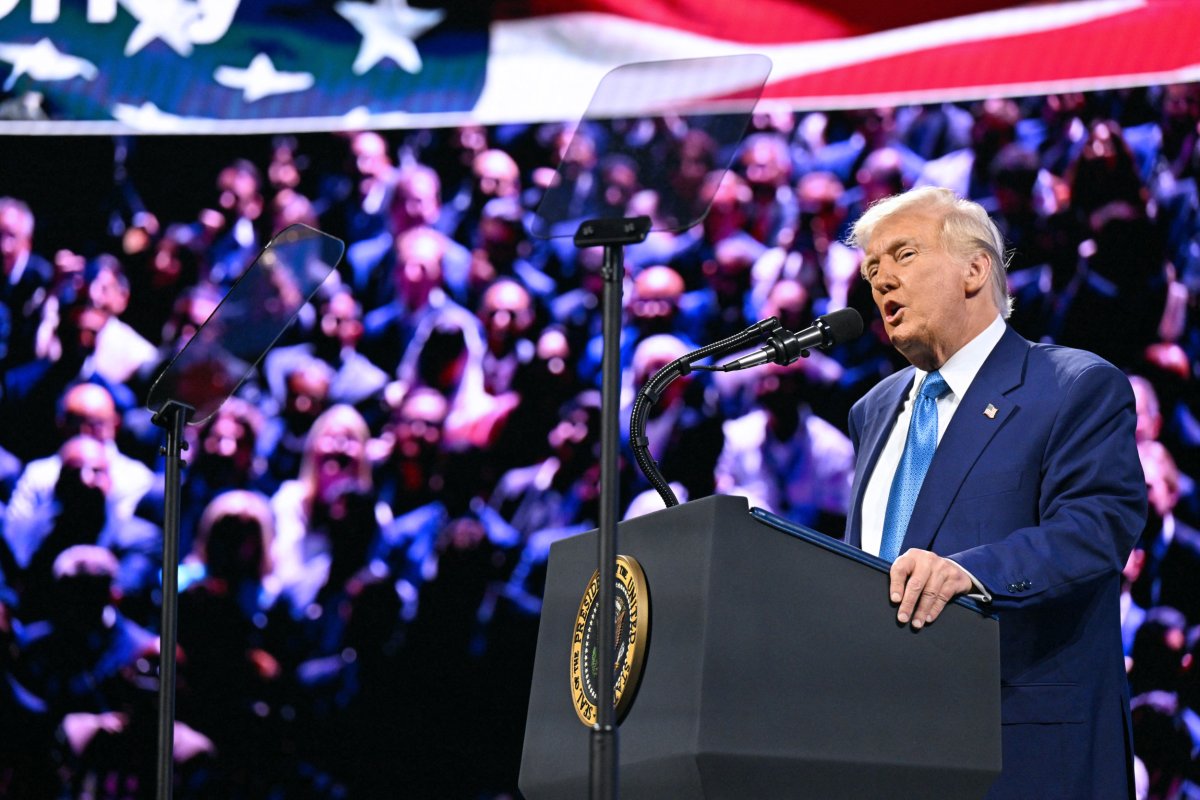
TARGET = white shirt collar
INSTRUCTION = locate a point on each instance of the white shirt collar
(962, 367)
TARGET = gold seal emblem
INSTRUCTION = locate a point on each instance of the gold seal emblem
(632, 615)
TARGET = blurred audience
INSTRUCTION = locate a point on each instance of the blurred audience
(368, 521)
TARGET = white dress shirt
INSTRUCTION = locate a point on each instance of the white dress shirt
(959, 371)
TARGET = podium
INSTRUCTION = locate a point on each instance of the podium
(774, 668)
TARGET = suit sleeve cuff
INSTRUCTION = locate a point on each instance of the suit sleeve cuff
(980, 594)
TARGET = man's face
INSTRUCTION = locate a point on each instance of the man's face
(763, 166)
(191, 314)
(417, 201)
(89, 410)
(13, 239)
(506, 312)
(570, 435)
(788, 302)
(1162, 488)
(307, 395)
(919, 287)
(229, 442)
(727, 211)
(340, 320)
(498, 235)
(656, 293)
(729, 273)
(821, 213)
(418, 427)
(85, 461)
(1149, 421)
(1181, 107)
(166, 266)
(496, 174)
(338, 453)
(878, 125)
(107, 293)
(370, 155)
(418, 267)
(238, 192)
(87, 324)
(620, 183)
(695, 162)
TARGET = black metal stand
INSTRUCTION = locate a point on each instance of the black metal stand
(652, 390)
(612, 235)
(173, 416)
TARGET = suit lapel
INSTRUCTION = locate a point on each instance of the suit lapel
(983, 411)
(880, 417)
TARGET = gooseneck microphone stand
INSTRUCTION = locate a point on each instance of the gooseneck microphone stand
(782, 347)
(652, 390)
(612, 235)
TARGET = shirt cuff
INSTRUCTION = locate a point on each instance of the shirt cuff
(981, 594)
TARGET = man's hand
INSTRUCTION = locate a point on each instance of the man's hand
(926, 582)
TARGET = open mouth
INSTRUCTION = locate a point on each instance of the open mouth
(892, 311)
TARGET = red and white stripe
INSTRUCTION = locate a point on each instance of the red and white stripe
(547, 56)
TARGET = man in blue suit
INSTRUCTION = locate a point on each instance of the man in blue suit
(1006, 470)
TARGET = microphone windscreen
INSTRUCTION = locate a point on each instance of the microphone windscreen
(844, 324)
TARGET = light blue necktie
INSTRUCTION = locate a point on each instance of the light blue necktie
(914, 463)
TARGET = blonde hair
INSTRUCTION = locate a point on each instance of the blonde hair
(966, 231)
(237, 503)
(340, 414)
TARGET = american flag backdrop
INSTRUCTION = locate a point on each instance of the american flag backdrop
(195, 66)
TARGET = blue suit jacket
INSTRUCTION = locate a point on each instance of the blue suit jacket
(1042, 502)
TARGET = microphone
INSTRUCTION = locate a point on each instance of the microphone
(784, 347)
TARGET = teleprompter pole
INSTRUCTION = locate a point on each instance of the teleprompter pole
(173, 416)
(613, 235)
(210, 367)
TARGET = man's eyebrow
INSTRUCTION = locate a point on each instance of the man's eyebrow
(891, 246)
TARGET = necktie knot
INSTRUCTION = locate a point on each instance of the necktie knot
(934, 386)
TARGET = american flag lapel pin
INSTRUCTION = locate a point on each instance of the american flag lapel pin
(990, 411)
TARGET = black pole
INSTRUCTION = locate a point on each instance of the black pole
(604, 733)
(612, 235)
(173, 416)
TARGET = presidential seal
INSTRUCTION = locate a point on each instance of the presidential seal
(632, 632)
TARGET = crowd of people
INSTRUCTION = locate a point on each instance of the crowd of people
(366, 524)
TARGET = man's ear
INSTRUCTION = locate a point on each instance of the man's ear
(977, 273)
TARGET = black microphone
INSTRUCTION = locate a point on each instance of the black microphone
(784, 347)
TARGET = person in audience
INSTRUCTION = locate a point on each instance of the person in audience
(235, 642)
(1172, 547)
(120, 350)
(785, 458)
(335, 339)
(305, 397)
(27, 279)
(87, 410)
(81, 511)
(307, 509)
